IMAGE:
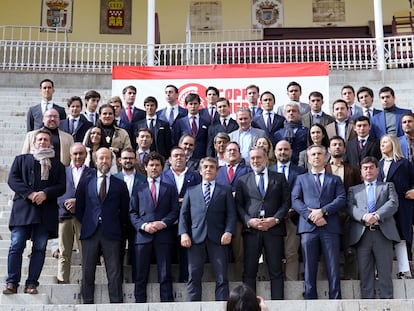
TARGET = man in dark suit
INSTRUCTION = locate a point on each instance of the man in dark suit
(318, 198)
(373, 230)
(316, 115)
(161, 132)
(407, 140)
(102, 203)
(224, 123)
(69, 226)
(252, 96)
(283, 154)
(206, 226)
(35, 113)
(262, 202)
(131, 113)
(293, 131)
(92, 99)
(173, 111)
(348, 95)
(365, 97)
(363, 145)
(268, 120)
(76, 124)
(388, 121)
(192, 124)
(210, 112)
(37, 180)
(181, 178)
(132, 178)
(154, 209)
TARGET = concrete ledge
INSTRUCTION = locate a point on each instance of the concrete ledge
(24, 299)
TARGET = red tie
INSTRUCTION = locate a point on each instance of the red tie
(129, 113)
(194, 126)
(230, 173)
(153, 192)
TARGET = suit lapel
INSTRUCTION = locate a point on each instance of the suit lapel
(393, 168)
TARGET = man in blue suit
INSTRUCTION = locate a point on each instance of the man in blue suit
(262, 202)
(407, 140)
(131, 113)
(206, 226)
(173, 111)
(102, 203)
(388, 121)
(318, 197)
(365, 97)
(153, 211)
(76, 124)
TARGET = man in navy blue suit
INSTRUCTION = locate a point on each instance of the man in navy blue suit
(283, 153)
(206, 226)
(76, 124)
(173, 111)
(154, 209)
(407, 140)
(318, 197)
(209, 112)
(262, 202)
(102, 204)
(131, 113)
(193, 124)
(365, 97)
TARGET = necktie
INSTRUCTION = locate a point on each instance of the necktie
(92, 117)
(230, 173)
(72, 125)
(171, 117)
(261, 185)
(224, 124)
(207, 194)
(361, 143)
(102, 189)
(349, 111)
(253, 111)
(129, 113)
(371, 198)
(141, 157)
(194, 126)
(318, 181)
(153, 192)
(211, 113)
(269, 121)
(151, 124)
(368, 113)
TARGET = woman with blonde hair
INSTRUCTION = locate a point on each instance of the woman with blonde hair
(266, 144)
(393, 167)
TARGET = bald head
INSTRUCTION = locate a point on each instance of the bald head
(283, 151)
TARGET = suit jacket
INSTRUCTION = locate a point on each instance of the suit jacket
(222, 176)
(191, 178)
(294, 171)
(354, 154)
(137, 115)
(303, 108)
(349, 133)
(143, 210)
(386, 203)
(256, 133)
(86, 115)
(325, 119)
(182, 126)
(378, 122)
(331, 199)
(404, 146)
(201, 221)
(276, 201)
(161, 141)
(356, 111)
(113, 210)
(300, 142)
(66, 140)
(34, 118)
(277, 123)
(205, 114)
(24, 178)
(216, 128)
(352, 176)
(162, 115)
(79, 133)
(70, 191)
(138, 179)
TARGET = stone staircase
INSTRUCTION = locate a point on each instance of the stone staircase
(17, 94)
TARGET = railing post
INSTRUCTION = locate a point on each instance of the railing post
(151, 33)
(379, 35)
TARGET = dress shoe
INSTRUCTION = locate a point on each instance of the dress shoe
(10, 289)
(30, 289)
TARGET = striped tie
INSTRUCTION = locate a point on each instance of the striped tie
(207, 194)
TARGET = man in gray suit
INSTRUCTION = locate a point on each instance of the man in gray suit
(373, 230)
(246, 135)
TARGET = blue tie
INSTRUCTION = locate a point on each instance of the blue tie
(371, 198)
(318, 181)
(207, 196)
(261, 184)
(171, 118)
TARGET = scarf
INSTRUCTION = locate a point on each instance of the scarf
(289, 130)
(43, 155)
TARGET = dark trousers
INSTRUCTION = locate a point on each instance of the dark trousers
(219, 258)
(312, 243)
(163, 253)
(91, 250)
(374, 250)
(254, 242)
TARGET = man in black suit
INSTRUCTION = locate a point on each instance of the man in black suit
(92, 99)
(102, 204)
(268, 120)
(161, 133)
(76, 124)
(131, 113)
(224, 123)
(206, 226)
(35, 113)
(209, 112)
(262, 202)
(283, 154)
(364, 144)
(154, 210)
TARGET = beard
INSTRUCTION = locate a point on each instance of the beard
(103, 168)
